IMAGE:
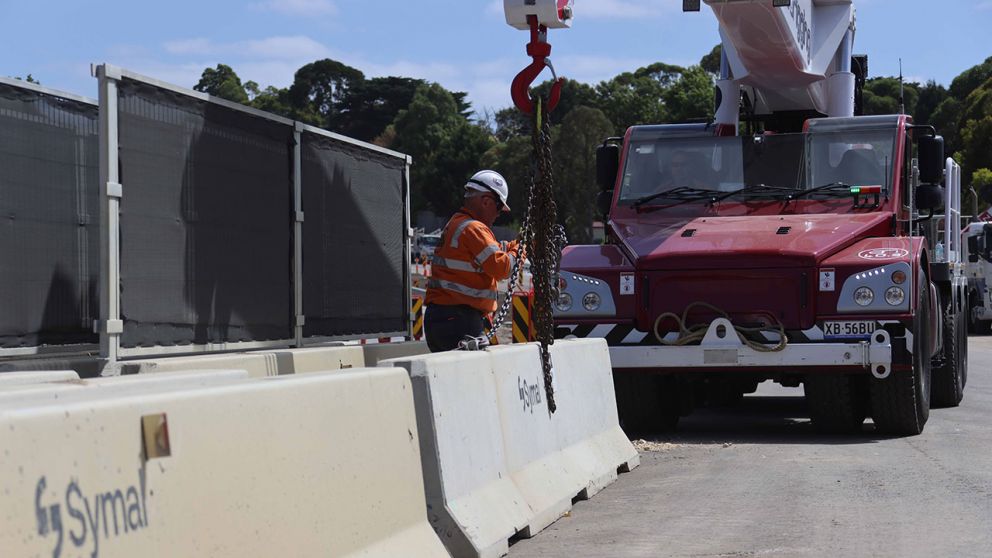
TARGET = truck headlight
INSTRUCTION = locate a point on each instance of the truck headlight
(864, 296)
(591, 302)
(895, 296)
(564, 302)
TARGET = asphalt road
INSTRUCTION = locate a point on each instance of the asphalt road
(755, 480)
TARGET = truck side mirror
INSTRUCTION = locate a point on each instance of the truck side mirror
(931, 157)
(929, 194)
(607, 165)
(604, 201)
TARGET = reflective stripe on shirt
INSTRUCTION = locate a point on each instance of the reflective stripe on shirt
(485, 253)
(457, 265)
(458, 232)
(461, 289)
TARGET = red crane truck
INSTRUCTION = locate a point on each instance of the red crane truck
(789, 240)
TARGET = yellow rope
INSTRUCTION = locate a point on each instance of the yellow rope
(696, 333)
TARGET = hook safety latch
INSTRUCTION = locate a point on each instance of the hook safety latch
(539, 50)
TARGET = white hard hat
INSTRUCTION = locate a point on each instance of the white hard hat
(490, 181)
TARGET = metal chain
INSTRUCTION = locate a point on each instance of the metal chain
(541, 241)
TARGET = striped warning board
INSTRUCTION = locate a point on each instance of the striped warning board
(523, 330)
(417, 311)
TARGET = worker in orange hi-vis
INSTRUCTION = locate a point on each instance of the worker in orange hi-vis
(467, 265)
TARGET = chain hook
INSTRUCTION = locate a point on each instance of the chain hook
(539, 49)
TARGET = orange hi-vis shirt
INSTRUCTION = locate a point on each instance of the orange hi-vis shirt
(467, 265)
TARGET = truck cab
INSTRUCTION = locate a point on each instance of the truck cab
(806, 258)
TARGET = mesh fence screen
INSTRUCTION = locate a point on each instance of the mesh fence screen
(49, 219)
(206, 221)
(354, 238)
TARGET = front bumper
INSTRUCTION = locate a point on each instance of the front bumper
(722, 348)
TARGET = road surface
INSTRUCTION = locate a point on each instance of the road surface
(755, 480)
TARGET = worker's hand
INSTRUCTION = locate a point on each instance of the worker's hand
(511, 247)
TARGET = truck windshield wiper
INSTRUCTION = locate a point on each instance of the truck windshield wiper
(682, 194)
(753, 189)
(832, 188)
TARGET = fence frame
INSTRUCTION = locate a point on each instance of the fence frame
(42, 351)
(110, 326)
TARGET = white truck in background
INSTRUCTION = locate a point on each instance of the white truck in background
(978, 268)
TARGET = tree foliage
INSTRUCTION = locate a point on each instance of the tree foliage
(222, 82)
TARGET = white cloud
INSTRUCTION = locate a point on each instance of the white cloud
(303, 8)
(269, 48)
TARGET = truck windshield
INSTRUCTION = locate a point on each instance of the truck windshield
(769, 166)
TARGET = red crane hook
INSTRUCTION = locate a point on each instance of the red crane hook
(538, 49)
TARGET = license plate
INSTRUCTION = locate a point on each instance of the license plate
(849, 329)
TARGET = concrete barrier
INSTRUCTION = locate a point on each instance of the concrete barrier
(374, 354)
(318, 359)
(258, 364)
(586, 422)
(542, 474)
(118, 385)
(35, 377)
(309, 465)
(497, 464)
(472, 503)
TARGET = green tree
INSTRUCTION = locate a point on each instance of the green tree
(711, 62)
(981, 181)
(271, 99)
(882, 96)
(511, 121)
(373, 104)
(222, 82)
(575, 170)
(633, 98)
(446, 148)
(692, 96)
(512, 159)
(319, 90)
(931, 96)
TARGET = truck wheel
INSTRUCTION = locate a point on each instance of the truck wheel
(900, 404)
(947, 388)
(645, 403)
(837, 404)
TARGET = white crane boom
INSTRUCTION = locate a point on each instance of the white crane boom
(795, 57)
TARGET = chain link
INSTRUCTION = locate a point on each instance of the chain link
(542, 240)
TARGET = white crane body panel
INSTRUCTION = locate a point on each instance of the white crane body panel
(790, 58)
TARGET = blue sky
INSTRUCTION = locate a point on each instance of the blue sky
(463, 44)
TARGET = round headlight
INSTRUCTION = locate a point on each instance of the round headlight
(899, 277)
(591, 302)
(864, 296)
(895, 296)
(564, 303)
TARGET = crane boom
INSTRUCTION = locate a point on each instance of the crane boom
(795, 57)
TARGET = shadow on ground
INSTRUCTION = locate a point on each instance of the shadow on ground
(756, 419)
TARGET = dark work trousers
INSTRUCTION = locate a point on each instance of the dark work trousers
(445, 326)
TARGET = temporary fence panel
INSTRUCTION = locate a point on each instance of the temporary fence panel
(355, 238)
(205, 220)
(49, 226)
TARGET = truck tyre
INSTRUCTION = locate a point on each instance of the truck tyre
(645, 403)
(837, 404)
(947, 388)
(900, 404)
